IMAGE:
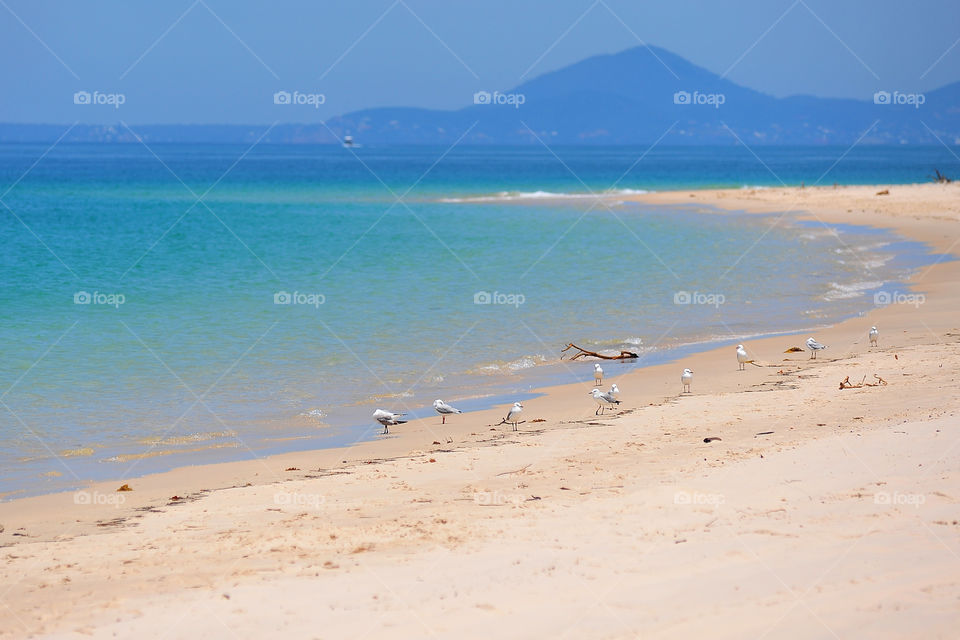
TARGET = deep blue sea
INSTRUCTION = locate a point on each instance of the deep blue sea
(181, 304)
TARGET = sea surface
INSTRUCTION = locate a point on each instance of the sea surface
(182, 304)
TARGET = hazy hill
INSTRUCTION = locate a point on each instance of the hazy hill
(632, 97)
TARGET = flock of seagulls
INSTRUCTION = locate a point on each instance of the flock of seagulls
(604, 399)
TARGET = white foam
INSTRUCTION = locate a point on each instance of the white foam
(876, 264)
(525, 362)
(840, 291)
(508, 196)
(612, 347)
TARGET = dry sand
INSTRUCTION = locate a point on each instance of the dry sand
(819, 512)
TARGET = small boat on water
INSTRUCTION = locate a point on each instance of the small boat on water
(348, 143)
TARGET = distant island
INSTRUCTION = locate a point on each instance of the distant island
(638, 96)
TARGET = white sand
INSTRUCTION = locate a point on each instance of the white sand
(842, 522)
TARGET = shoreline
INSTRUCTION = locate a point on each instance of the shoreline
(716, 202)
(349, 530)
(529, 382)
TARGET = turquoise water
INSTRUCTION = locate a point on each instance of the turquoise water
(183, 354)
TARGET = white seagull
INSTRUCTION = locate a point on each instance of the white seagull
(386, 418)
(874, 337)
(742, 357)
(686, 378)
(597, 375)
(614, 389)
(444, 410)
(603, 399)
(514, 414)
(814, 346)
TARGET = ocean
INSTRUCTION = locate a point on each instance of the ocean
(182, 304)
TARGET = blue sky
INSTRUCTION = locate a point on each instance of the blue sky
(219, 61)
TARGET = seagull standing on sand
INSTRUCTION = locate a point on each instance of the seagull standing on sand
(742, 357)
(686, 378)
(874, 337)
(597, 375)
(386, 418)
(444, 410)
(614, 389)
(814, 346)
(603, 399)
(513, 416)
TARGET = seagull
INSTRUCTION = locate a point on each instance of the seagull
(514, 414)
(686, 378)
(814, 346)
(603, 399)
(597, 375)
(742, 357)
(387, 418)
(874, 337)
(614, 389)
(444, 410)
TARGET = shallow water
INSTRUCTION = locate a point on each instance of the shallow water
(158, 311)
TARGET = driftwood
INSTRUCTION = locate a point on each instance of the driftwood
(581, 353)
(846, 384)
(939, 177)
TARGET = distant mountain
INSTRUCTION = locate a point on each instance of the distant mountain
(637, 96)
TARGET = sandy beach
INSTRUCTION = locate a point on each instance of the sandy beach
(767, 503)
